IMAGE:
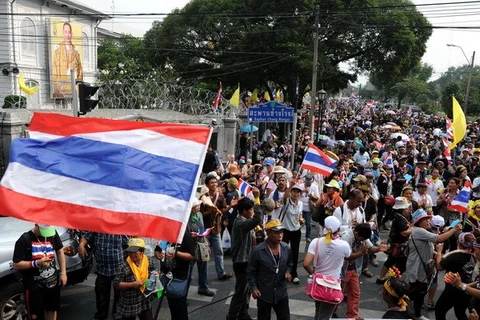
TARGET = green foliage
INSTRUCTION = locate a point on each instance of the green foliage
(14, 101)
(112, 52)
(257, 42)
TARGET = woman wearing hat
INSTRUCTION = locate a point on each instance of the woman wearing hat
(327, 254)
(398, 237)
(459, 261)
(291, 218)
(420, 261)
(131, 282)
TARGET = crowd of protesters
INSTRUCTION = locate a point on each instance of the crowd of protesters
(391, 191)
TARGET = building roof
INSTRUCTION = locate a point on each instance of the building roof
(80, 9)
(102, 32)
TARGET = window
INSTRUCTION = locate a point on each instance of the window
(28, 38)
(86, 49)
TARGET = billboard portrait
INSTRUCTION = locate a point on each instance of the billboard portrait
(65, 54)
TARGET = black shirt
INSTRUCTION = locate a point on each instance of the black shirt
(29, 247)
(399, 224)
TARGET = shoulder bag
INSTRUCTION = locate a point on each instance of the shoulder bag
(429, 266)
(176, 288)
(324, 288)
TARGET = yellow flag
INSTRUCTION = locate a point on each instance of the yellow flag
(28, 90)
(459, 124)
(254, 97)
(235, 99)
(278, 96)
(266, 96)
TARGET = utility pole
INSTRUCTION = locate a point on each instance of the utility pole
(468, 84)
(313, 93)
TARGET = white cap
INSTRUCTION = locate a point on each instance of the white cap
(332, 223)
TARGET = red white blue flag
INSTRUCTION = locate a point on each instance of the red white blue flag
(460, 203)
(449, 128)
(318, 161)
(109, 176)
(244, 187)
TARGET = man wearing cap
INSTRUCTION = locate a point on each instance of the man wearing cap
(38, 254)
(420, 260)
(131, 282)
(277, 194)
(243, 240)
(269, 270)
(375, 169)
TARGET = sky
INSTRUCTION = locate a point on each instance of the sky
(456, 14)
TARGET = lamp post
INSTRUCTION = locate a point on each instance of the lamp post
(322, 94)
(467, 93)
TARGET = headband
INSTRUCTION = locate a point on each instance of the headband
(401, 300)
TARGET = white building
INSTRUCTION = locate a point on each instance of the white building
(31, 31)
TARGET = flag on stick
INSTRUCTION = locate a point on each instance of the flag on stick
(318, 161)
(449, 128)
(459, 124)
(218, 98)
(460, 203)
(244, 187)
(109, 176)
(235, 99)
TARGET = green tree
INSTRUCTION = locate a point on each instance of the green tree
(112, 52)
(257, 41)
(414, 84)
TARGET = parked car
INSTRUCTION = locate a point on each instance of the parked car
(12, 300)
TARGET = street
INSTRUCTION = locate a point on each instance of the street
(78, 302)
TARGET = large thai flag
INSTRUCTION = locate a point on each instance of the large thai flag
(109, 176)
(460, 203)
(244, 187)
(318, 161)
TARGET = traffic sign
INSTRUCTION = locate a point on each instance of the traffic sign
(271, 112)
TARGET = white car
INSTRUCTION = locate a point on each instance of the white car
(12, 300)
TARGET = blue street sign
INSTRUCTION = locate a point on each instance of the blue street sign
(271, 112)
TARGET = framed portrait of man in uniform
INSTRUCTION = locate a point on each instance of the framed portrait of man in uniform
(65, 55)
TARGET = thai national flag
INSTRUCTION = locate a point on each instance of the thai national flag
(203, 233)
(460, 203)
(318, 161)
(244, 187)
(449, 128)
(388, 161)
(446, 151)
(109, 176)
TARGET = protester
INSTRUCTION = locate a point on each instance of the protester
(212, 210)
(394, 293)
(269, 270)
(130, 282)
(196, 226)
(327, 254)
(398, 237)
(180, 263)
(243, 237)
(460, 261)
(309, 197)
(351, 212)
(38, 255)
(292, 220)
(359, 240)
(109, 257)
(420, 263)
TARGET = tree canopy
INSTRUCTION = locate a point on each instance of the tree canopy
(260, 42)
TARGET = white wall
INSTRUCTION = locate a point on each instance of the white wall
(37, 67)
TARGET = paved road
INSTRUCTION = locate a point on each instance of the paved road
(78, 302)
